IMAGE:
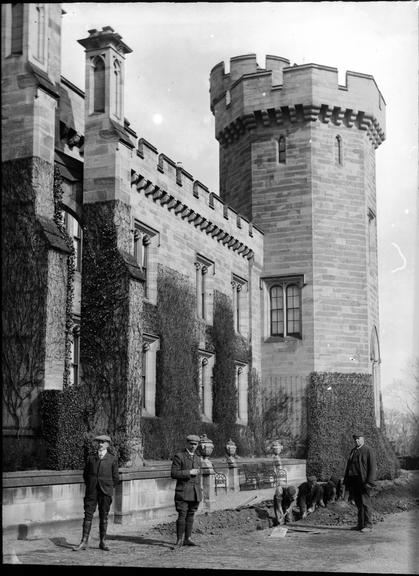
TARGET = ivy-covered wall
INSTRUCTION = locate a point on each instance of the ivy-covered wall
(24, 292)
(177, 401)
(340, 404)
(177, 404)
(111, 312)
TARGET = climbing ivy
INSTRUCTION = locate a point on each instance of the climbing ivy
(339, 404)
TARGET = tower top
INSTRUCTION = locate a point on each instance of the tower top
(280, 89)
(99, 39)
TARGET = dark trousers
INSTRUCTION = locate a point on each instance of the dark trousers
(186, 512)
(100, 499)
(309, 499)
(361, 496)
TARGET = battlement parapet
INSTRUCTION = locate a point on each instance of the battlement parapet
(250, 94)
(165, 182)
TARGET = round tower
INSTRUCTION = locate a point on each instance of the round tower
(297, 157)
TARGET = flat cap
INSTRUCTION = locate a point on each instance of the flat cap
(292, 490)
(193, 438)
(103, 437)
(357, 435)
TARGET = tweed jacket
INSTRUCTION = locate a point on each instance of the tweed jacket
(364, 463)
(103, 472)
(188, 487)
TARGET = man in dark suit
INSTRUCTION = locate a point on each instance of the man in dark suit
(359, 479)
(188, 494)
(100, 475)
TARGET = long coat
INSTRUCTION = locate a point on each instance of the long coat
(188, 487)
(103, 472)
(365, 464)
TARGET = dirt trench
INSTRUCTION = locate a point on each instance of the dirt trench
(398, 495)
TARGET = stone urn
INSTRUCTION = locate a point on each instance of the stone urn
(231, 450)
(206, 448)
(276, 448)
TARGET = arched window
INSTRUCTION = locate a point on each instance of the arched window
(282, 151)
(17, 28)
(338, 150)
(98, 85)
(117, 80)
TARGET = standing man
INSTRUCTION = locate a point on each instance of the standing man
(186, 471)
(360, 475)
(100, 475)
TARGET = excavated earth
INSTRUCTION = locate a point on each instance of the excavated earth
(389, 496)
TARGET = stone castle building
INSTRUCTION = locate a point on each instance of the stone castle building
(290, 241)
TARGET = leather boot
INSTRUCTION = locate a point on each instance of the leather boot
(180, 529)
(87, 524)
(103, 526)
(188, 533)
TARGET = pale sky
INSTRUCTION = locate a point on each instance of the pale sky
(175, 45)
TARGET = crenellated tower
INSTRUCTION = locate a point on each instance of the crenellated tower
(297, 157)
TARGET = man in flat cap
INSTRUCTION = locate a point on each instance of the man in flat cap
(100, 475)
(186, 471)
(359, 479)
(310, 496)
(285, 498)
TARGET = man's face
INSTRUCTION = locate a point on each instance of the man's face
(192, 446)
(102, 444)
(359, 441)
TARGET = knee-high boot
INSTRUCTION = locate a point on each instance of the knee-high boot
(87, 524)
(180, 529)
(103, 526)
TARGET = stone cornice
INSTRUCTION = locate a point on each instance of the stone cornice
(323, 113)
(186, 213)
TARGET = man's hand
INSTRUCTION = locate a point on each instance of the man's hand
(193, 471)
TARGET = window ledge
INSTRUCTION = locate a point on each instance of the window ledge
(205, 418)
(145, 414)
(285, 339)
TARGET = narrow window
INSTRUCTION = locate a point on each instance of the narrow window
(204, 270)
(338, 150)
(293, 310)
(117, 79)
(75, 232)
(144, 239)
(239, 399)
(75, 355)
(281, 150)
(202, 384)
(17, 28)
(239, 287)
(277, 311)
(40, 32)
(149, 350)
(146, 348)
(98, 85)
